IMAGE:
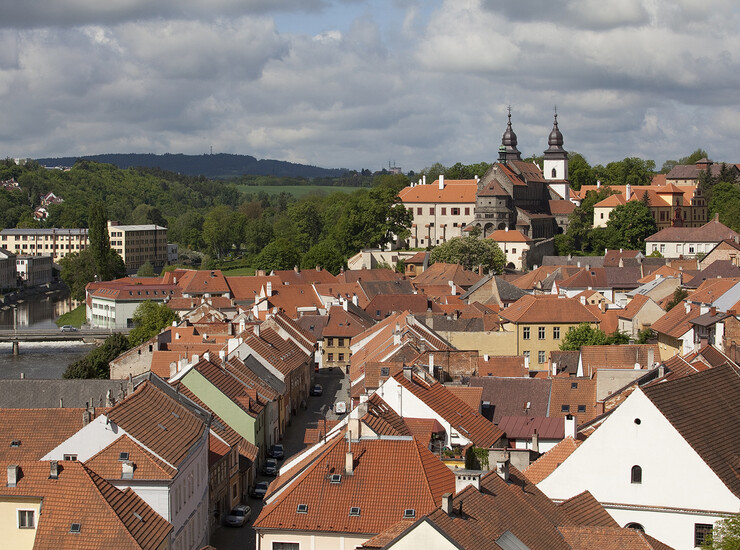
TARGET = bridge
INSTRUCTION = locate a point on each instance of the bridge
(55, 335)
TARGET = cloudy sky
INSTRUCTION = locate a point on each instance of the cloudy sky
(356, 83)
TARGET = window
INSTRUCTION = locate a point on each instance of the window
(513, 250)
(26, 519)
(636, 475)
(285, 546)
(691, 249)
(418, 211)
(455, 211)
(444, 211)
(635, 526)
(431, 211)
(341, 357)
(701, 532)
(75, 528)
(574, 385)
(330, 341)
(602, 215)
(302, 509)
(467, 211)
(409, 513)
(526, 355)
(341, 342)
(354, 511)
(662, 248)
(540, 356)
(581, 408)
(70, 457)
(541, 333)
(556, 333)
(525, 333)
(330, 357)
(565, 408)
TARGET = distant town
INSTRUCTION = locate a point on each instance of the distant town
(529, 353)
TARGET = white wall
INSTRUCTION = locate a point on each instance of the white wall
(673, 474)
(423, 536)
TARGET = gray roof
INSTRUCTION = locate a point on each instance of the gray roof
(52, 231)
(43, 394)
(718, 269)
(510, 396)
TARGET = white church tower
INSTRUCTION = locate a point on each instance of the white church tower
(555, 167)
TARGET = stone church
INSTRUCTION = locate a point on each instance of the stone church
(518, 195)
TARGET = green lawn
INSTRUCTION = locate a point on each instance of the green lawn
(295, 190)
(75, 317)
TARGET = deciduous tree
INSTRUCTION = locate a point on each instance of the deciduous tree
(470, 252)
(149, 319)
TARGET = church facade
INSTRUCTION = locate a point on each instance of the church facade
(515, 194)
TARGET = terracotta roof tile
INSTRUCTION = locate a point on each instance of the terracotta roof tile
(546, 464)
(304, 277)
(436, 396)
(441, 274)
(547, 309)
(575, 396)
(504, 236)
(676, 322)
(522, 427)
(514, 396)
(108, 517)
(159, 422)
(609, 538)
(618, 356)
(471, 396)
(454, 191)
(503, 366)
(584, 509)
(107, 463)
(712, 231)
(381, 489)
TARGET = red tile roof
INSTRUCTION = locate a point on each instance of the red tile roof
(381, 488)
(471, 396)
(108, 517)
(210, 282)
(503, 366)
(522, 427)
(712, 231)
(454, 191)
(547, 309)
(618, 356)
(441, 274)
(107, 463)
(461, 417)
(676, 322)
(304, 277)
(505, 236)
(575, 394)
(546, 464)
(584, 509)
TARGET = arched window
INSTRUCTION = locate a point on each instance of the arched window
(554, 173)
(636, 474)
(635, 526)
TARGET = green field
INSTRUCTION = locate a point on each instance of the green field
(295, 190)
(75, 317)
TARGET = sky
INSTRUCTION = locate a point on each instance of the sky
(361, 83)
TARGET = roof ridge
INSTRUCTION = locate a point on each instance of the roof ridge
(97, 482)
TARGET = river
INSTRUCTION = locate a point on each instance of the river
(38, 359)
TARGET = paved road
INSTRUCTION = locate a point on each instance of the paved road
(336, 388)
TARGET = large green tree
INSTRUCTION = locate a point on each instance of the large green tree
(280, 254)
(725, 201)
(325, 255)
(149, 319)
(108, 264)
(471, 252)
(632, 170)
(577, 239)
(587, 335)
(78, 269)
(628, 226)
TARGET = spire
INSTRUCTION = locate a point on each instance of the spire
(555, 142)
(508, 150)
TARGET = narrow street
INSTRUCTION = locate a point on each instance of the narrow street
(336, 388)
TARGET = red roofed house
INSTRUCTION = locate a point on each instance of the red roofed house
(540, 323)
(677, 242)
(665, 461)
(441, 210)
(514, 244)
(350, 488)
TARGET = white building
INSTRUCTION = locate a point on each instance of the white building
(514, 244)
(158, 447)
(441, 210)
(677, 242)
(666, 460)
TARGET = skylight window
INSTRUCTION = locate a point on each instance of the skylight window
(354, 511)
(15, 443)
(123, 456)
(409, 513)
(75, 528)
(302, 509)
(336, 478)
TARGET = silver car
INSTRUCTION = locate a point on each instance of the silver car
(239, 516)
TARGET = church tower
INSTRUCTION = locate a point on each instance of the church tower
(508, 150)
(556, 162)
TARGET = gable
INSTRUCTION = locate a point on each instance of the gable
(602, 464)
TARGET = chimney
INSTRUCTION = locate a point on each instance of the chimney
(173, 368)
(13, 475)
(628, 191)
(344, 304)
(222, 356)
(598, 184)
(353, 428)
(295, 268)
(127, 470)
(526, 362)
(687, 307)
(53, 469)
(485, 357)
(712, 311)
(424, 179)
(502, 467)
(583, 300)
(407, 370)
(554, 369)
(354, 299)
(602, 306)
(506, 229)
(463, 478)
(453, 289)
(651, 357)
(447, 503)
(570, 426)
(441, 182)
(536, 442)
(256, 330)
(349, 464)
(431, 364)
(268, 290)
(661, 370)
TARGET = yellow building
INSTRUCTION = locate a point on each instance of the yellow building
(540, 324)
(138, 244)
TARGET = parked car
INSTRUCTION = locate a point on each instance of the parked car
(68, 328)
(260, 489)
(317, 390)
(239, 516)
(270, 468)
(276, 451)
(340, 407)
